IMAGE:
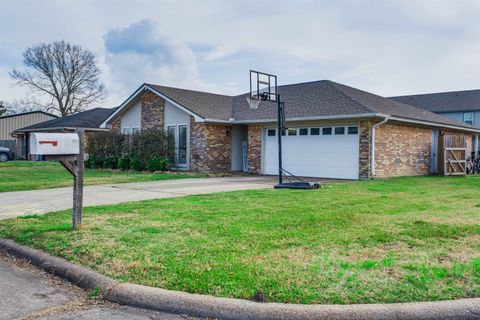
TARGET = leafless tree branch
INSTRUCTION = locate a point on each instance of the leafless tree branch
(66, 73)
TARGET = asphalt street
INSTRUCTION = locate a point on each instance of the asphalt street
(27, 293)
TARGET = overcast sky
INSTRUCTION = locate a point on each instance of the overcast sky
(386, 47)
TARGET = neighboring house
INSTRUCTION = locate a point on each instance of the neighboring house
(335, 131)
(90, 120)
(463, 106)
(10, 123)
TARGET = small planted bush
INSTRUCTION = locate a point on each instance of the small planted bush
(137, 164)
(157, 164)
(124, 163)
(110, 163)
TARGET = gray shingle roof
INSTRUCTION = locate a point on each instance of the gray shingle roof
(468, 100)
(90, 119)
(207, 105)
(303, 100)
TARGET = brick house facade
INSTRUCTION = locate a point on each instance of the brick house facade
(210, 147)
(218, 140)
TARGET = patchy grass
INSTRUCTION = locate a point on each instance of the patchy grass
(395, 240)
(30, 175)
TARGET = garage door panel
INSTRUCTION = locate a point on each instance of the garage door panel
(334, 156)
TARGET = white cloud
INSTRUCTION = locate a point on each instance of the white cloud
(220, 52)
(387, 47)
(143, 52)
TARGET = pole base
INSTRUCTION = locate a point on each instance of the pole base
(298, 185)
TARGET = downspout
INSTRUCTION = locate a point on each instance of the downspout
(372, 156)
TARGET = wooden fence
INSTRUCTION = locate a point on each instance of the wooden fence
(453, 155)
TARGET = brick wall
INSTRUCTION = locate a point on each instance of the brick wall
(210, 147)
(365, 133)
(402, 150)
(153, 109)
(254, 149)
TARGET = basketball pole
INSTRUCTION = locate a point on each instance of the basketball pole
(280, 131)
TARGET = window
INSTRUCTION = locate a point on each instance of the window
(352, 130)
(126, 130)
(271, 132)
(303, 132)
(339, 130)
(135, 130)
(292, 132)
(314, 131)
(182, 144)
(171, 143)
(326, 131)
(284, 132)
(468, 118)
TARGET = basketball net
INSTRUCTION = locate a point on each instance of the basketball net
(253, 102)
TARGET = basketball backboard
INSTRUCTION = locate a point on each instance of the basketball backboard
(263, 86)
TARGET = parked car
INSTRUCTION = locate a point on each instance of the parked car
(5, 154)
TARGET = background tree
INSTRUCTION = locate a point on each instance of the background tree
(3, 109)
(65, 73)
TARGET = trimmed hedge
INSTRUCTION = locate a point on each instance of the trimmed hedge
(146, 150)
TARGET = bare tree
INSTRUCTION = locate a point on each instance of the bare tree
(29, 104)
(3, 109)
(65, 73)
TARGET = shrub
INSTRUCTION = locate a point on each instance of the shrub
(157, 164)
(137, 164)
(110, 163)
(111, 150)
(124, 163)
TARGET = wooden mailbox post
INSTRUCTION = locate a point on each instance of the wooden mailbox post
(69, 152)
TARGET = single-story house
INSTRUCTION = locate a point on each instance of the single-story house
(335, 131)
(463, 106)
(90, 120)
(12, 122)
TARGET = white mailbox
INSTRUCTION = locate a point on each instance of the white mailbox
(54, 143)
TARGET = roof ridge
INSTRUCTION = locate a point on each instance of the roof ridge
(191, 90)
(434, 93)
(338, 87)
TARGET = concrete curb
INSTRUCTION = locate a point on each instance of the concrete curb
(236, 309)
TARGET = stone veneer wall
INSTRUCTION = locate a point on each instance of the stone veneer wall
(210, 147)
(153, 110)
(255, 149)
(402, 150)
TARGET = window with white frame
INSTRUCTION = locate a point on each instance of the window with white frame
(135, 130)
(468, 118)
(126, 130)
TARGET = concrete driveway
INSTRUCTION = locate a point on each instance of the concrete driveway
(20, 203)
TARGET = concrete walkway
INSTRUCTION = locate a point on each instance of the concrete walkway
(19, 203)
(27, 293)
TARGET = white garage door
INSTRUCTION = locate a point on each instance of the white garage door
(326, 152)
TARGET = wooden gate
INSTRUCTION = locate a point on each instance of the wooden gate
(452, 155)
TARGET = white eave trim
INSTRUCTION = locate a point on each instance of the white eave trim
(142, 88)
(346, 116)
(434, 124)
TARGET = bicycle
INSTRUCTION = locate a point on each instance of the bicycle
(473, 163)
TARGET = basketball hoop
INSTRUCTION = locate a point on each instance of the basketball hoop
(253, 102)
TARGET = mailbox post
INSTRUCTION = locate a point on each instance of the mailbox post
(78, 183)
(67, 148)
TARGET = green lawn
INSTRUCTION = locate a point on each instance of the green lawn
(29, 175)
(396, 240)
